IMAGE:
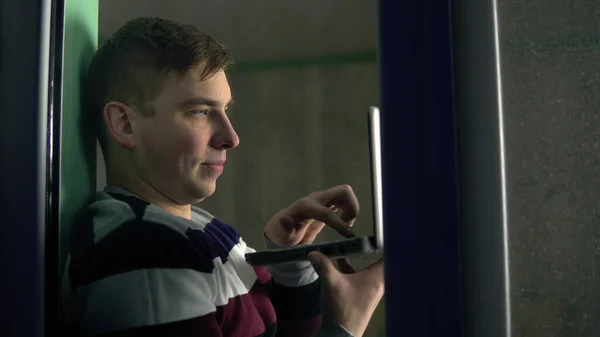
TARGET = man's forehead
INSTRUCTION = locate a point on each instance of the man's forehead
(214, 89)
(193, 78)
(202, 100)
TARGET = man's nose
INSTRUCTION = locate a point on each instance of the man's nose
(225, 136)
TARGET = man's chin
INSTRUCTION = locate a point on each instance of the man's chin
(204, 190)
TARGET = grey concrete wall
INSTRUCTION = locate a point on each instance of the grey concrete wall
(262, 29)
(550, 56)
(306, 74)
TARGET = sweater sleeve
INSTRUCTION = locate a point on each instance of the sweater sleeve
(141, 279)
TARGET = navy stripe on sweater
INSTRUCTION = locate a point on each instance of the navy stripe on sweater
(139, 244)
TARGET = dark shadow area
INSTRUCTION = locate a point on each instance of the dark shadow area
(22, 149)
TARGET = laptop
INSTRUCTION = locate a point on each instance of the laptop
(346, 247)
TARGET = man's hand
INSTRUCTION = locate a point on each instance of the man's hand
(304, 219)
(349, 298)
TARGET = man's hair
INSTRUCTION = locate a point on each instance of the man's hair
(131, 66)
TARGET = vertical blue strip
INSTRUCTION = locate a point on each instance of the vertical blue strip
(419, 169)
(23, 92)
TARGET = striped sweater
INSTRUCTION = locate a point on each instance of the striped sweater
(136, 270)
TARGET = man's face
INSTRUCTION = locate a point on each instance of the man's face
(182, 148)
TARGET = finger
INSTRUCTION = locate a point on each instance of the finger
(376, 266)
(288, 223)
(345, 266)
(373, 279)
(312, 231)
(322, 264)
(308, 208)
(344, 217)
(341, 197)
(315, 227)
(375, 271)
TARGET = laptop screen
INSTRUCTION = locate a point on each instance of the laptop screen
(376, 184)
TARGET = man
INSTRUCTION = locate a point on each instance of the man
(143, 260)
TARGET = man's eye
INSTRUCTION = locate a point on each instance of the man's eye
(199, 112)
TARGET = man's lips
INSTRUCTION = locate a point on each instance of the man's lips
(215, 166)
(214, 162)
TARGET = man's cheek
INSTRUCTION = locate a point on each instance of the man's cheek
(195, 145)
(191, 150)
(167, 153)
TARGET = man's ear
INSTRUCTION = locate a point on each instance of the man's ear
(119, 119)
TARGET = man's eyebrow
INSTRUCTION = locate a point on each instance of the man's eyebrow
(203, 101)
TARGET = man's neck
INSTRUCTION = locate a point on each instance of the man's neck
(146, 192)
